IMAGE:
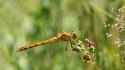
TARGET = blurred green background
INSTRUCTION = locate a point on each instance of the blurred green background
(23, 21)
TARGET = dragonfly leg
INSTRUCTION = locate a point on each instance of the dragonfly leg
(66, 48)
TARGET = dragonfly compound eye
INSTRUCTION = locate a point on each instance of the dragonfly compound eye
(74, 36)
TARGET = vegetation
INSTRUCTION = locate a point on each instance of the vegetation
(24, 21)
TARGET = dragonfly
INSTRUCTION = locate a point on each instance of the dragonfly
(63, 36)
(70, 37)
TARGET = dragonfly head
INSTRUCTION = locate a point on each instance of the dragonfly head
(73, 35)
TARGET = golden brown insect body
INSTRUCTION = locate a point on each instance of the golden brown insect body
(64, 36)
